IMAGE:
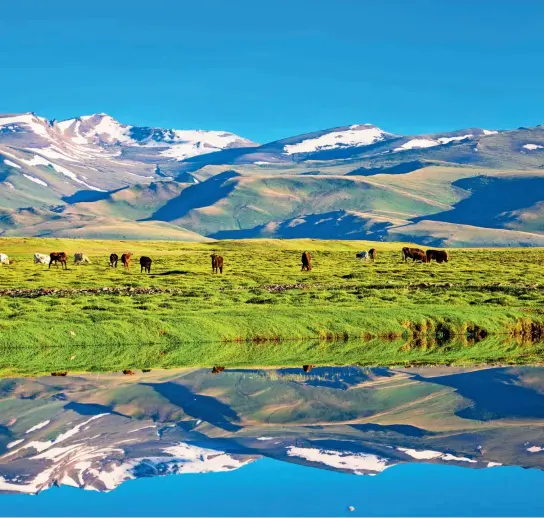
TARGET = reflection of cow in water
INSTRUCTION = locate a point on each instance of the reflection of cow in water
(307, 368)
(217, 263)
(440, 256)
(217, 369)
(306, 261)
(416, 254)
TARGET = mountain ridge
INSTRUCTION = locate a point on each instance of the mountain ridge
(79, 172)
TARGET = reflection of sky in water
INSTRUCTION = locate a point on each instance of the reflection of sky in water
(272, 488)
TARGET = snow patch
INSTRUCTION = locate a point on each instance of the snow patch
(356, 462)
(35, 180)
(43, 423)
(532, 147)
(421, 454)
(417, 143)
(11, 164)
(489, 132)
(493, 464)
(338, 139)
(447, 140)
(14, 443)
(535, 449)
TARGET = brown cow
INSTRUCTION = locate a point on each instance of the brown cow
(125, 259)
(145, 264)
(59, 373)
(128, 372)
(58, 257)
(372, 254)
(217, 369)
(217, 263)
(114, 259)
(416, 254)
(306, 261)
(440, 256)
(307, 368)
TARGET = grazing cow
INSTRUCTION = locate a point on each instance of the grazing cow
(58, 257)
(416, 254)
(128, 372)
(4, 259)
(217, 369)
(145, 264)
(59, 373)
(363, 256)
(307, 368)
(114, 259)
(125, 259)
(146, 370)
(306, 261)
(440, 256)
(217, 263)
(81, 258)
(372, 254)
(40, 259)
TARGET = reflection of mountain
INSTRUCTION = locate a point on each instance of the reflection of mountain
(97, 432)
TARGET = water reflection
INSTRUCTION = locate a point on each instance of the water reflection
(97, 431)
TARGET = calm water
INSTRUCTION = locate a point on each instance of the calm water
(274, 442)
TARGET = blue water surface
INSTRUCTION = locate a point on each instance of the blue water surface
(272, 488)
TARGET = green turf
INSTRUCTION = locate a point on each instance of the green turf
(197, 317)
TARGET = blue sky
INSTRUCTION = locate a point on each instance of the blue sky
(268, 70)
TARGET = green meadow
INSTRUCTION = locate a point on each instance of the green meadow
(485, 305)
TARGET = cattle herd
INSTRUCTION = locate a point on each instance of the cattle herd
(56, 258)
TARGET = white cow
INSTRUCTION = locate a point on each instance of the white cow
(4, 259)
(81, 258)
(41, 259)
(363, 256)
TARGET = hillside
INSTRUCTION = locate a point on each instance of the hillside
(93, 176)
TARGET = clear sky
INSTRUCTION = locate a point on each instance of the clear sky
(267, 70)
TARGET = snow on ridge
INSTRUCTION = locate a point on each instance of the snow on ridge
(356, 462)
(489, 132)
(533, 147)
(11, 164)
(535, 449)
(417, 143)
(337, 139)
(447, 140)
(37, 124)
(430, 454)
(43, 423)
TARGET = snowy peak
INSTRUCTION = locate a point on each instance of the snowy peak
(357, 135)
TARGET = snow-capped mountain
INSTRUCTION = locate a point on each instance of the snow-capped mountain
(68, 178)
(96, 152)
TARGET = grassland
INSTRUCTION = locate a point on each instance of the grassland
(263, 310)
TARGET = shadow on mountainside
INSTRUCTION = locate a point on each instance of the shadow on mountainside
(197, 196)
(494, 394)
(490, 200)
(205, 408)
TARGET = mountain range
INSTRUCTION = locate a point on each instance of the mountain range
(98, 431)
(93, 176)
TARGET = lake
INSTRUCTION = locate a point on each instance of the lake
(275, 442)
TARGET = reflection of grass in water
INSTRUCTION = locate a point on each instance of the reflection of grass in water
(374, 352)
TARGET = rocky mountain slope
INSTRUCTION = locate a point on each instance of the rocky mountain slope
(471, 187)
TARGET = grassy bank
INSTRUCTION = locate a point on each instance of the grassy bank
(262, 295)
